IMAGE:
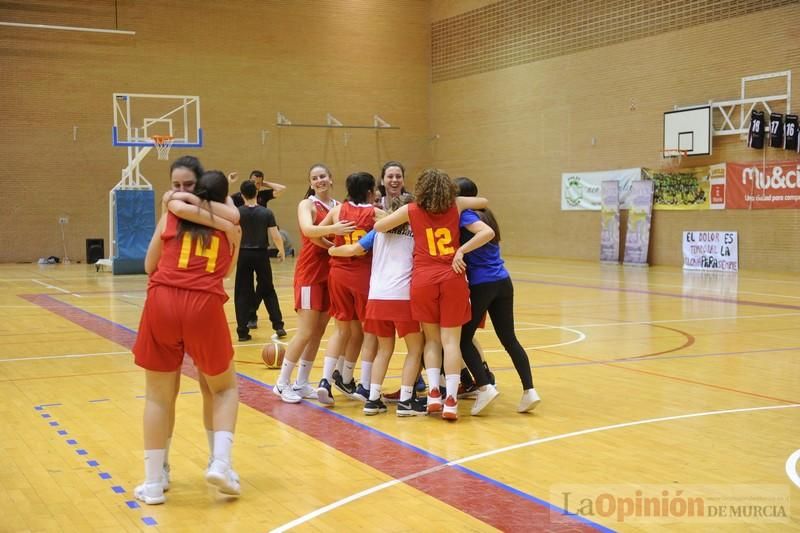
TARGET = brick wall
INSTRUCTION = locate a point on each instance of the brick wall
(246, 60)
(521, 90)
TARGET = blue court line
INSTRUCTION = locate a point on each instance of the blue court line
(118, 489)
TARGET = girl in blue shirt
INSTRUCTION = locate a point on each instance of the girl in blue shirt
(491, 290)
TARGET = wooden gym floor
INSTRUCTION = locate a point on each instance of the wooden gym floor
(669, 383)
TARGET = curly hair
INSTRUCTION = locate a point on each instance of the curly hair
(435, 191)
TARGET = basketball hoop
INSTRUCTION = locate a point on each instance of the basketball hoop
(163, 143)
(671, 159)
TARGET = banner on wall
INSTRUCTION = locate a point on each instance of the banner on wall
(580, 191)
(609, 221)
(774, 185)
(637, 240)
(680, 189)
(711, 250)
(716, 179)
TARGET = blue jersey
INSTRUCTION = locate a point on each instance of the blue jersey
(484, 265)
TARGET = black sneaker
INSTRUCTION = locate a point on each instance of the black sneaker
(412, 407)
(373, 407)
(253, 324)
(245, 338)
(361, 394)
(324, 394)
(280, 332)
(347, 388)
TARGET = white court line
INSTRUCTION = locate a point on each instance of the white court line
(791, 468)
(69, 356)
(51, 286)
(339, 503)
(580, 334)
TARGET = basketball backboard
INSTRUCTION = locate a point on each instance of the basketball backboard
(137, 117)
(688, 130)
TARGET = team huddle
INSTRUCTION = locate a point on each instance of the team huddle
(383, 263)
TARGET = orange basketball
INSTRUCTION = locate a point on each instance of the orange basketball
(272, 354)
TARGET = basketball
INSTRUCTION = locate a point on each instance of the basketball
(272, 354)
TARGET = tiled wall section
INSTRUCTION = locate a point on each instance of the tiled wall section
(514, 32)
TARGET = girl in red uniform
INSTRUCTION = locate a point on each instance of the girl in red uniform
(311, 300)
(348, 286)
(184, 313)
(439, 291)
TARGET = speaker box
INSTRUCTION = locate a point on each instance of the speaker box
(95, 249)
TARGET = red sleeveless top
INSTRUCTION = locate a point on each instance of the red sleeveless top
(187, 264)
(312, 264)
(436, 239)
(363, 215)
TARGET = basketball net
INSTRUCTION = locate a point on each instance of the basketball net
(163, 143)
(671, 159)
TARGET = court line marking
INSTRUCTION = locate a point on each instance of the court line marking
(791, 468)
(67, 356)
(580, 334)
(458, 462)
(51, 286)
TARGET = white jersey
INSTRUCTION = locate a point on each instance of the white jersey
(392, 259)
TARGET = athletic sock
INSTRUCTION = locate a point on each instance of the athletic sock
(153, 465)
(405, 392)
(223, 442)
(433, 378)
(347, 371)
(366, 374)
(375, 391)
(286, 372)
(328, 366)
(304, 371)
(451, 382)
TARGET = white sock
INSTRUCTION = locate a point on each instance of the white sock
(328, 366)
(153, 465)
(347, 371)
(210, 437)
(406, 392)
(286, 372)
(340, 363)
(166, 451)
(433, 378)
(366, 374)
(304, 371)
(451, 382)
(223, 442)
(375, 391)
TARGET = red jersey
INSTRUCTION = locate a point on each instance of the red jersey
(435, 243)
(363, 215)
(312, 264)
(186, 264)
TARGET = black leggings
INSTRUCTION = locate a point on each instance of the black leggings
(496, 297)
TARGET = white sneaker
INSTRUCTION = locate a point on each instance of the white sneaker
(530, 399)
(483, 399)
(221, 475)
(285, 393)
(150, 493)
(305, 391)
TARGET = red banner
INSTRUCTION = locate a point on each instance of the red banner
(773, 185)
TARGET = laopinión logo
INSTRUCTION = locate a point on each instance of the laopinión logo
(669, 503)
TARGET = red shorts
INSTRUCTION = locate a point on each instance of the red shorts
(386, 316)
(445, 303)
(313, 297)
(177, 321)
(347, 302)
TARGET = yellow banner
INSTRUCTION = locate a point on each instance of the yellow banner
(680, 189)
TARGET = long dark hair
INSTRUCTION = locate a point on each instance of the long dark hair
(211, 187)
(467, 187)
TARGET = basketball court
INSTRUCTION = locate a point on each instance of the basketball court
(649, 378)
(669, 376)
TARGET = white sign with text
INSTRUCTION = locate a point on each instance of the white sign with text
(711, 250)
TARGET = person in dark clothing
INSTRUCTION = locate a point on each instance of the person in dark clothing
(266, 190)
(256, 222)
